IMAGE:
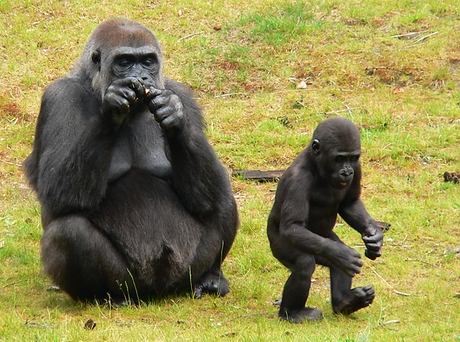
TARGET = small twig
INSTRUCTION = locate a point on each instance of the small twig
(38, 325)
(12, 284)
(349, 110)
(230, 94)
(10, 163)
(408, 34)
(424, 37)
(391, 286)
(424, 262)
(338, 111)
(384, 324)
(191, 35)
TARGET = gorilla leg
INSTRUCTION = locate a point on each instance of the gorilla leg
(296, 291)
(344, 299)
(83, 262)
(213, 279)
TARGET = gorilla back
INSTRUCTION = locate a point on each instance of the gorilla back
(134, 201)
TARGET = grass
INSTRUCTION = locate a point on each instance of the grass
(392, 67)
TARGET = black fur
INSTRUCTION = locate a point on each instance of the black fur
(134, 201)
(323, 181)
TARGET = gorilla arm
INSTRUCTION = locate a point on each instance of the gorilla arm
(352, 210)
(72, 149)
(294, 215)
(198, 177)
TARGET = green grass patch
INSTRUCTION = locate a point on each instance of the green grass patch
(392, 67)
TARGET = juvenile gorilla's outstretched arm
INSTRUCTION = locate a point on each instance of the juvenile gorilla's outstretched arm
(197, 175)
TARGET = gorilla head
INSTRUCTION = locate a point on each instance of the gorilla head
(121, 48)
(337, 146)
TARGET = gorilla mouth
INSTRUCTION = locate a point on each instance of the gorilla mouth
(343, 185)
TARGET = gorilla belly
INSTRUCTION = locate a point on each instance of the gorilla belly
(159, 233)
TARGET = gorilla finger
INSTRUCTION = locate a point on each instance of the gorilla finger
(138, 87)
(175, 110)
(116, 101)
(359, 263)
(373, 238)
(352, 272)
(383, 225)
(374, 246)
(162, 113)
(118, 91)
(157, 102)
(369, 289)
(162, 97)
(372, 255)
(172, 121)
(129, 94)
(152, 92)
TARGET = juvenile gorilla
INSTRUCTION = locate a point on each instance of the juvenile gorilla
(134, 201)
(323, 181)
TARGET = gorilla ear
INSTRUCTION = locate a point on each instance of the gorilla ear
(96, 57)
(316, 146)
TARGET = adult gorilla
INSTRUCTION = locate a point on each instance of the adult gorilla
(134, 201)
(323, 181)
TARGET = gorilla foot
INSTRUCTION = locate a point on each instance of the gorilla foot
(358, 298)
(212, 283)
(300, 316)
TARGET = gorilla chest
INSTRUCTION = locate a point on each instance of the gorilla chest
(140, 144)
(323, 210)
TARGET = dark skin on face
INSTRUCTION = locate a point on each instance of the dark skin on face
(134, 201)
(134, 85)
(323, 181)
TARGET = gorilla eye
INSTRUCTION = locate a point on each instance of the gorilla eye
(124, 62)
(149, 61)
(354, 159)
(340, 159)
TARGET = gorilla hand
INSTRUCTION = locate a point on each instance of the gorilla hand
(167, 108)
(121, 96)
(345, 258)
(373, 239)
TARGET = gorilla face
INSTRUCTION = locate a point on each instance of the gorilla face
(141, 63)
(337, 148)
(123, 50)
(343, 166)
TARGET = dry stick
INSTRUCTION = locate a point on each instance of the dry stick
(424, 37)
(338, 111)
(11, 284)
(424, 262)
(349, 110)
(191, 35)
(308, 89)
(9, 163)
(391, 286)
(408, 34)
(230, 94)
